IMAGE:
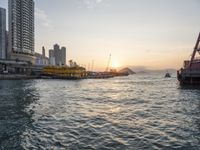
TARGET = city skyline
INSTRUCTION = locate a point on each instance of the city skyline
(157, 34)
(57, 55)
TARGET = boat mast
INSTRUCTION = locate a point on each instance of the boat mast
(108, 65)
(196, 48)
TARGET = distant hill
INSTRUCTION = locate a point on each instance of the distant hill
(141, 72)
(143, 69)
(127, 70)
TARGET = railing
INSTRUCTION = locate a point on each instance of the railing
(188, 72)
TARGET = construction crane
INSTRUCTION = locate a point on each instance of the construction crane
(196, 49)
(108, 65)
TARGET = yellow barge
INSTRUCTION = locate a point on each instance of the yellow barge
(64, 72)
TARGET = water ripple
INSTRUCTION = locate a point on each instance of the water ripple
(136, 112)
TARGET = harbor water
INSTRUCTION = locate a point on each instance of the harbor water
(143, 111)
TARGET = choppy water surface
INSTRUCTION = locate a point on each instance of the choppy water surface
(135, 112)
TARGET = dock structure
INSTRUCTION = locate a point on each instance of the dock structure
(190, 73)
(15, 66)
(17, 69)
(8, 67)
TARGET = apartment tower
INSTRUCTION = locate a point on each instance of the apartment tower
(21, 30)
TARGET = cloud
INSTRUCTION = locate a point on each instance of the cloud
(98, 1)
(92, 3)
(42, 18)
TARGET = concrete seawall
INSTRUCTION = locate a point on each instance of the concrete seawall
(16, 77)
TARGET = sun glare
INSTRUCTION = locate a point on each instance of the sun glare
(115, 64)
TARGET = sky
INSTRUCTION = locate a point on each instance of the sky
(157, 34)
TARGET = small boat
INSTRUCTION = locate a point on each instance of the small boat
(167, 75)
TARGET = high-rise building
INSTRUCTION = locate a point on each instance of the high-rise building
(3, 35)
(6, 44)
(43, 51)
(51, 53)
(57, 56)
(52, 57)
(21, 29)
(63, 55)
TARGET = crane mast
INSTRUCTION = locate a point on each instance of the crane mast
(196, 49)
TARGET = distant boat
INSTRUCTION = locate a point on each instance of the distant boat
(167, 75)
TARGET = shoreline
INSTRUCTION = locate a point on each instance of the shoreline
(17, 77)
(28, 77)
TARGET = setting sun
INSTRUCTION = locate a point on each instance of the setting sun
(115, 64)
